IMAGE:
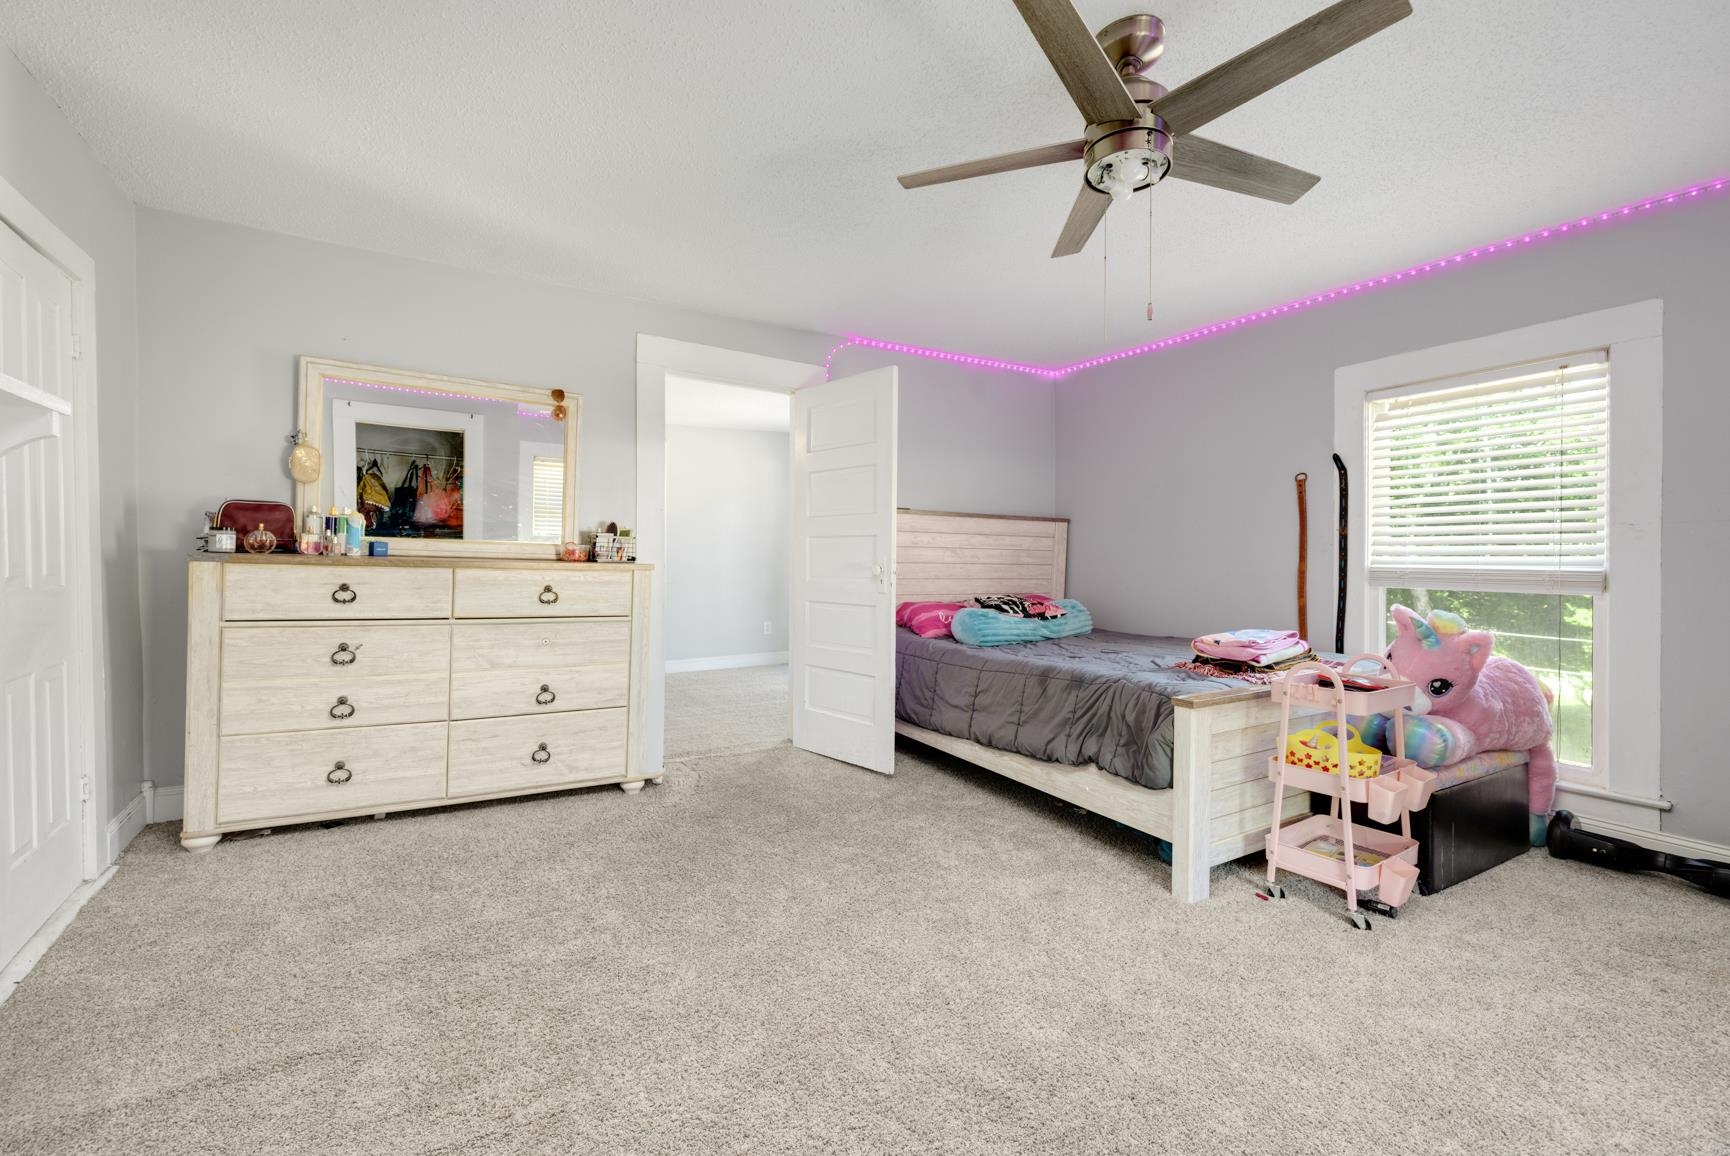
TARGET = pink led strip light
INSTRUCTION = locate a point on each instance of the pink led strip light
(1609, 216)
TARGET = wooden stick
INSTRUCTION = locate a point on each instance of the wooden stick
(1303, 570)
(1345, 538)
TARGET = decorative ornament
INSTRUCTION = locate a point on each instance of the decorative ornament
(305, 463)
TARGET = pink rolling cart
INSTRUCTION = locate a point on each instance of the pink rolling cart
(1331, 848)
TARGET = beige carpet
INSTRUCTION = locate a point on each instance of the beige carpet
(775, 953)
(715, 711)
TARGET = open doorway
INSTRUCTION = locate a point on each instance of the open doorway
(725, 574)
(840, 545)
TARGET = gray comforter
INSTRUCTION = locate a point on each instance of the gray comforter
(1102, 698)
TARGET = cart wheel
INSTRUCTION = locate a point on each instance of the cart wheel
(1360, 920)
(1273, 891)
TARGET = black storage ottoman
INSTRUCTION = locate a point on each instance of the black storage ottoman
(1467, 829)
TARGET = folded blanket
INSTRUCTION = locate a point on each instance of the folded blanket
(989, 628)
(1252, 646)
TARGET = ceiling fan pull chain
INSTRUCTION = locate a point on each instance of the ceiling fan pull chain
(1150, 255)
(1105, 276)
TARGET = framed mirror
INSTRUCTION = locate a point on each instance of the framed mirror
(442, 465)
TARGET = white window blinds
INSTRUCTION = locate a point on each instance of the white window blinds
(1493, 481)
(547, 485)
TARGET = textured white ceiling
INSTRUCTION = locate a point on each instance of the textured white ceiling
(741, 157)
(716, 405)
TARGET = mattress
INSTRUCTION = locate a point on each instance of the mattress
(1101, 698)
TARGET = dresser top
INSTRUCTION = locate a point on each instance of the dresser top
(461, 562)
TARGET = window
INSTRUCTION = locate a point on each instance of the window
(1517, 478)
(1488, 496)
(546, 499)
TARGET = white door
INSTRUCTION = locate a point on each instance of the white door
(842, 635)
(40, 800)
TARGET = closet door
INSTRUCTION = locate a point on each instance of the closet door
(842, 634)
(40, 800)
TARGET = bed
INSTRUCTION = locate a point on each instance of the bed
(1207, 738)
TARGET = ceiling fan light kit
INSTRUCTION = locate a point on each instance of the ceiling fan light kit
(1123, 159)
(1138, 133)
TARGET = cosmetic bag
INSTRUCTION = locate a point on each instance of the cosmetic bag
(244, 515)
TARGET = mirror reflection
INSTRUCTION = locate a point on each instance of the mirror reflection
(442, 466)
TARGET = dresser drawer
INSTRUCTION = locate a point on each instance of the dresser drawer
(484, 646)
(286, 777)
(508, 754)
(495, 693)
(281, 653)
(550, 593)
(341, 590)
(335, 702)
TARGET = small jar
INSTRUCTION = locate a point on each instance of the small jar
(260, 541)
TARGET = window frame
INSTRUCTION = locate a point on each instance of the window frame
(527, 452)
(1627, 734)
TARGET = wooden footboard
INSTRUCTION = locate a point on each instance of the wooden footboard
(1220, 804)
(1222, 801)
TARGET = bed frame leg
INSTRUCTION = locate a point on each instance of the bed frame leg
(1192, 753)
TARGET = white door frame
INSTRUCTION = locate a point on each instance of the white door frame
(89, 692)
(657, 357)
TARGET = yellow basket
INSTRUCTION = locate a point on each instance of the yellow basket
(1318, 750)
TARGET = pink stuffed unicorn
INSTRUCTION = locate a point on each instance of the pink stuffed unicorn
(1470, 701)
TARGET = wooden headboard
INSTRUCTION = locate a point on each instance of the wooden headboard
(948, 557)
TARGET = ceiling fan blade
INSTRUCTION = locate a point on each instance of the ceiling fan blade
(1084, 217)
(1207, 162)
(1004, 163)
(1080, 62)
(1276, 60)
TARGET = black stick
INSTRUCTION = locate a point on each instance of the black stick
(1340, 608)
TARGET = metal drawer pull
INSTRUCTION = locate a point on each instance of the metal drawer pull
(338, 775)
(546, 697)
(343, 594)
(541, 754)
(343, 656)
(548, 596)
(343, 708)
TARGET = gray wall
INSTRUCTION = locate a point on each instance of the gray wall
(726, 556)
(224, 312)
(45, 160)
(1172, 536)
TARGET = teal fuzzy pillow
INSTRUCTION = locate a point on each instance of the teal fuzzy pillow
(989, 628)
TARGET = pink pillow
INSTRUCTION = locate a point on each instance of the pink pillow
(928, 619)
(904, 613)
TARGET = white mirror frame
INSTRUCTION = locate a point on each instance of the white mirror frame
(313, 371)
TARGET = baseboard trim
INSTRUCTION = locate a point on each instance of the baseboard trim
(124, 827)
(726, 662)
(1658, 840)
(166, 804)
(13, 971)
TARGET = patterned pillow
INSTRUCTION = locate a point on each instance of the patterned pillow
(927, 619)
(1020, 605)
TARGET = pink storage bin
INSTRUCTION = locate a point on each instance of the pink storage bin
(1385, 798)
(1420, 785)
(1397, 880)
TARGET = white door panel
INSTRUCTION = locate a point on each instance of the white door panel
(40, 800)
(842, 638)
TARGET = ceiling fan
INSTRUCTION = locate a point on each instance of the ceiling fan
(1138, 133)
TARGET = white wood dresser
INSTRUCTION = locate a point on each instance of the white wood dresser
(324, 689)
